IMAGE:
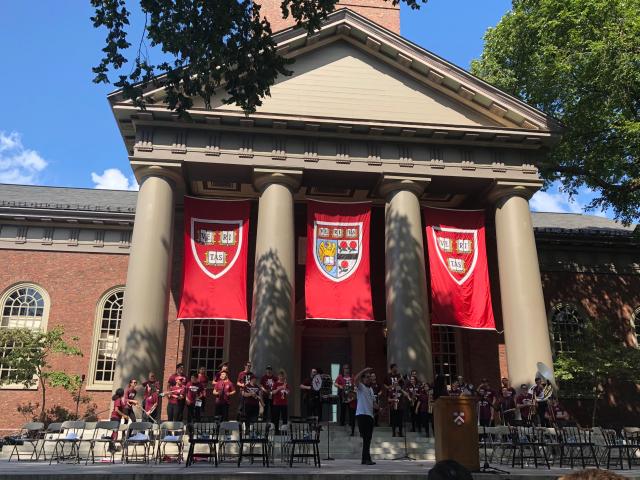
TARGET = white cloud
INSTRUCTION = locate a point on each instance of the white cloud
(554, 202)
(113, 179)
(17, 163)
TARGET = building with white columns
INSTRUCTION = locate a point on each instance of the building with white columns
(366, 115)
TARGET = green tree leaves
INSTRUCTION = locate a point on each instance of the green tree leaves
(210, 44)
(578, 60)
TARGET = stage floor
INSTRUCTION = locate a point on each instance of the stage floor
(345, 469)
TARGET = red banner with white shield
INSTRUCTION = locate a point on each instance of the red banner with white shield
(460, 291)
(337, 281)
(214, 279)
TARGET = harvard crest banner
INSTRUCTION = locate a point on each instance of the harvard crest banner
(460, 292)
(337, 283)
(214, 280)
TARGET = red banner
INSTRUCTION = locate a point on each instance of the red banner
(214, 278)
(337, 277)
(460, 292)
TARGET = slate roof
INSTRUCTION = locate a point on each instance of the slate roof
(109, 201)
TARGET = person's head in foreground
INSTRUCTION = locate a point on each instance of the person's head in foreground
(592, 474)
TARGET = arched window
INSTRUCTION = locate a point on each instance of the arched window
(445, 352)
(566, 327)
(105, 338)
(23, 306)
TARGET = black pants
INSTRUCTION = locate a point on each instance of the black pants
(222, 411)
(172, 412)
(424, 418)
(268, 406)
(541, 413)
(415, 420)
(279, 412)
(343, 411)
(395, 419)
(485, 422)
(180, 414)
(193, 413)
(365, 425)
(352, 419)
(251, 413)
(314, 407)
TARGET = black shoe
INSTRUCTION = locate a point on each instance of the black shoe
(368, 462)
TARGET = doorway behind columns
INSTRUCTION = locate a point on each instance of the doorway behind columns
(327, 353)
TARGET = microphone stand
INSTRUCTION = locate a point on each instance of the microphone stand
(486, 468)
(406, 455)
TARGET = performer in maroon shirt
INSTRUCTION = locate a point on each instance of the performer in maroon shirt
(203, 380)
(223, 367)
(394, 385)
(346, 393)
(267, 384)
(130, 399)
(172, 382)
(119, 411)
(524, 402)
(151, 387)
(413, 388)
(193, 398)
(376, 388)
(310, 398)
(241, 382)
(507, 402)
(280, 395)
(252, 400)
(176, 395)
(223, 390)
(485, 409)
(422, 409)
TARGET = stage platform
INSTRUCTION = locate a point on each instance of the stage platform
(342, 469)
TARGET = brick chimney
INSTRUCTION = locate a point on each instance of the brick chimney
(381, 12)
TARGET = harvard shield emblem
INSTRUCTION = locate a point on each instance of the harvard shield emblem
(216, 244)
(338, 248)
(457, 250)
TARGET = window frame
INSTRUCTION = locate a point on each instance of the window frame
(635, 325)
(92, 385)
(553, 311)
(189, 324)
(43, 323)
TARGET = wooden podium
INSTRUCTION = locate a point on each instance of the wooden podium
(456, 431)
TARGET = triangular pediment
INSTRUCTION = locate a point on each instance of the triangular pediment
(341, 81)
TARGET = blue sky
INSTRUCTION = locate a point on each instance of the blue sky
(56, 127)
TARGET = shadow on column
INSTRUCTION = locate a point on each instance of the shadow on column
(404, 255)
(136, 354)
(272, 329)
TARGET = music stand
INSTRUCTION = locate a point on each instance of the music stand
(406, 455)
(329, 457)
(487, 468)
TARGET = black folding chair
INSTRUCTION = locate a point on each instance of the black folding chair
(576, 442)
(103, 435)
(171, 433)
(138, 436)
(203, 434)
(304, 435)
(71, 436)
(254, 434)
(528, 443)
(30, 434)
(50, 435)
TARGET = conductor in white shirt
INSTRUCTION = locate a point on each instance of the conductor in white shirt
(364, 412)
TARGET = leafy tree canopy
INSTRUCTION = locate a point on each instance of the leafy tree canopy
(205, 45)
(578, 60)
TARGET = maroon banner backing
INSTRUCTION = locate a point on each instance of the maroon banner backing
(214, 280)
(460, 292)
(337, 285)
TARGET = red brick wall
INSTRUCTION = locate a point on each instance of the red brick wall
(381, 12)
(75, 283)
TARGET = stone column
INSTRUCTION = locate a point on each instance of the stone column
(273, 322)
(524, 314)
(408, 325)
(141, 345)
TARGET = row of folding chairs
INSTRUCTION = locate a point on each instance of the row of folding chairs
(73, 441)
(67, 441)
(564, 446)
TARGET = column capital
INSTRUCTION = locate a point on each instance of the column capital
(170, 173)
(503, 189)
(263, 177)
(393, 183)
